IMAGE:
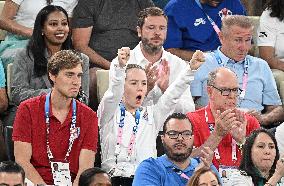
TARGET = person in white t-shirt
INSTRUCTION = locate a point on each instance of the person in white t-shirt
(271, 38)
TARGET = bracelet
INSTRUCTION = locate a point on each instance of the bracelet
(269, 184)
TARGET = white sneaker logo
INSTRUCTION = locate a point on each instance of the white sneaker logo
(199, 21)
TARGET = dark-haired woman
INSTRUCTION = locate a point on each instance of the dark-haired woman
(260, 165)
(51, 33)
(17, 18)
(271, 38)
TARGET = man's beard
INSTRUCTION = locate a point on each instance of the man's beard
(177, 157)
(150, 48)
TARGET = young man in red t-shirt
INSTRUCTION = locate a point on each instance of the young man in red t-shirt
(55, 136)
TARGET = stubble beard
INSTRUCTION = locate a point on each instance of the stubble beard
(177, 157)
(150, 48)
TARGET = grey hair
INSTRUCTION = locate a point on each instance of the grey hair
(236, 20)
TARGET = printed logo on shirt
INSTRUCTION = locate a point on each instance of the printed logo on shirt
(262, 34)
(224, 12)
(199, 21)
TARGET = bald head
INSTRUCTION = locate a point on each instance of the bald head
(221, 74)
(223, 89)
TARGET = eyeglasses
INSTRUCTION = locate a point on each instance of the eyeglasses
(227, 91)
(187, 134)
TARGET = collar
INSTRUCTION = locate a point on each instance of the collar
(210, 116)
(69, 115)
(140, 58)
(226, 59)
(168, 164)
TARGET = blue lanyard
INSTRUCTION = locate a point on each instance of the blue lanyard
(120, 131)
(122, 117)
(215, 26)
(74, 132)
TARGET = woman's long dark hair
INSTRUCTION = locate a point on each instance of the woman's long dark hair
(37, 45)
(246, 163)
(277, 8)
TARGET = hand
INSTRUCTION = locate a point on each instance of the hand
(206, 156)
(279, 171)
(238, 131)
(152, 74)
(164, 74)
(197, 60)
(224, 122)
(123, 55)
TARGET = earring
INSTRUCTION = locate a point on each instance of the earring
(42, 33)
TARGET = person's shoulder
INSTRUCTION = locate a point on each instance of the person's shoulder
(33, 102)
(174, 58)
(150, 163)
(85, 58)
(195, 116)
(174, 5)
(85, 109)
(256, 61)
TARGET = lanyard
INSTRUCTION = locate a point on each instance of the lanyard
(216, 151)
(120, 131)
(180, 173)
(245, 75)
(215, 26)
(73, 131)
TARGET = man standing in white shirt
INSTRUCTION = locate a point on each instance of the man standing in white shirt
(152, 29)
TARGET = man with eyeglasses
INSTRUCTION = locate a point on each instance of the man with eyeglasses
(259, 94)
(220, 125)
(175, 167)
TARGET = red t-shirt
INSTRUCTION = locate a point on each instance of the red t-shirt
(30, 127)
(201, 133)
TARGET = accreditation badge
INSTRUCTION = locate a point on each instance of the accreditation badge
(226, 172)
(61, 174)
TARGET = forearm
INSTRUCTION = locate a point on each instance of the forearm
(276, 63)
(15, 28)
(3, 100)
(94, 57)
(183, 54)
(31, 172)
(212, 142)
(272, 116)
(86, 161)
(273, 180)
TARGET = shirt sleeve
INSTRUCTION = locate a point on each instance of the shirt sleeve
(266, 30)
(147, 173)
(22, 129)
(91, 139)
(2, 76)
(85, 13)
(270, 94)
(252, 124)
(112, 96)
(174, 34)
(193, 117)
(22, 75)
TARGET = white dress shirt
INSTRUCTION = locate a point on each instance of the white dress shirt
(176, 64)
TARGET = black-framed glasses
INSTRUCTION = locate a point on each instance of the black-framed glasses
(175, 134)
(227, 91)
